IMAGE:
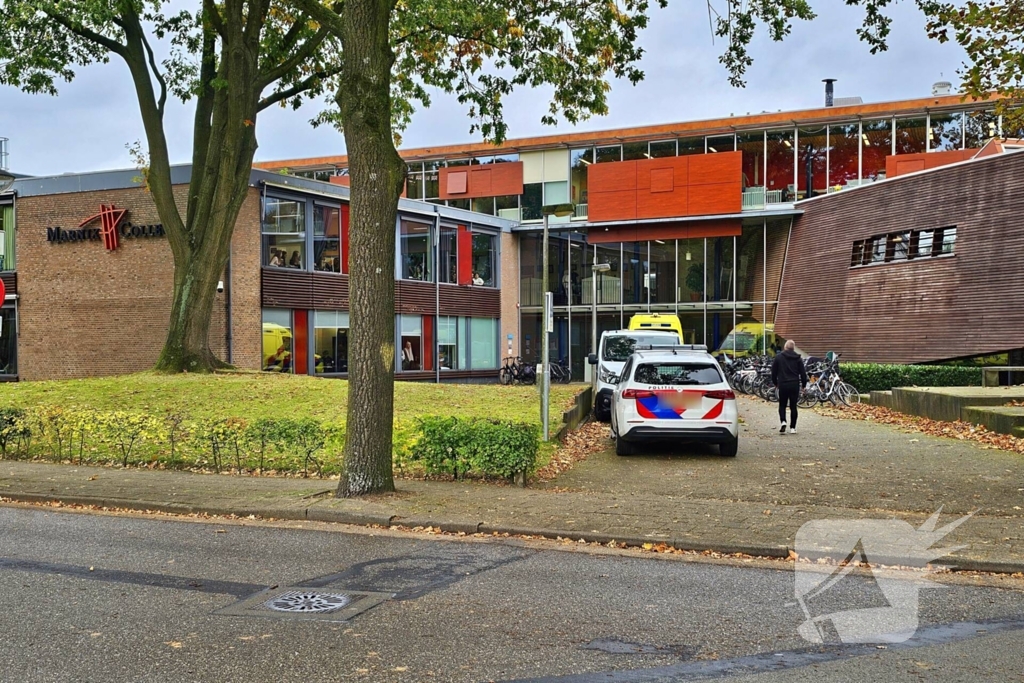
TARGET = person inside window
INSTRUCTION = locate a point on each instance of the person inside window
(477, 280)
(275, 260)
(408, 358)
(294, 262)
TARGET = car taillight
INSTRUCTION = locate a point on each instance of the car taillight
(637, 393)
(724, 394)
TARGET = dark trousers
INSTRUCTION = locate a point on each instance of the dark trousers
(788, 393)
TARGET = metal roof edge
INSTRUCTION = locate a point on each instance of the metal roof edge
(774, 213)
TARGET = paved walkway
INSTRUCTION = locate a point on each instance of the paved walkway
(698, 500)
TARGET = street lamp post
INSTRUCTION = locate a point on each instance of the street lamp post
(598, 268)
(545, 392)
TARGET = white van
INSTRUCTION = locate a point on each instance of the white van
(616, 347)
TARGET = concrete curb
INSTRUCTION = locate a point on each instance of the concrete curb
(318, 514)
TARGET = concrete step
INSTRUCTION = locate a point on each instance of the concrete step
(999, 419)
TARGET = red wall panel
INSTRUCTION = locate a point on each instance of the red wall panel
(465, 255)
(903, 164)
(300, 342)
(428, 342)
(344, 237)
(489, 180)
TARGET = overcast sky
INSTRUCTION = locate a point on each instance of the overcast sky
(88, 125)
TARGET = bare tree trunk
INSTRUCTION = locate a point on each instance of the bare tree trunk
(377, 173)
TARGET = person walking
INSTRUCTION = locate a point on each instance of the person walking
(790, 376)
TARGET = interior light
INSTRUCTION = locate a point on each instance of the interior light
(660, 241)
(687, 256)
(864, 137)
(647, 154)
(712, 149)
(931, 134)
(787, 143)
(584, 161)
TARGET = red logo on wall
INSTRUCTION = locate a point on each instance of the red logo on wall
(110, 218)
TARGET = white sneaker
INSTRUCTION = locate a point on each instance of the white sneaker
(792, 430)
(782, 429)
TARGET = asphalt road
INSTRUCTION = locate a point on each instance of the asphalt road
(94, 598)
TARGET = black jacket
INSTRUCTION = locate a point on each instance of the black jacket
(788, 368)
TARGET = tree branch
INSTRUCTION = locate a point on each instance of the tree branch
(301, 55)
(212, 14)
(329, 17)
(156, 74)
(296, 89)
(87, 34)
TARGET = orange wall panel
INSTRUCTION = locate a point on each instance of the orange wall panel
(612, 206)
(903, 164)
(711, 169)
(620, 175)
(717, 198)
(489, 180)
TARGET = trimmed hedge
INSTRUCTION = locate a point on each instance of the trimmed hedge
(450, 445)
(883, 377)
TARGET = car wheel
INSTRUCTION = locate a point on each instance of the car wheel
(729, 448)
(602, 415)
(622, 447)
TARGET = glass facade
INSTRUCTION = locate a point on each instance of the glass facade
(327, 238)
(330, 342)
(485, 259)
(8, 341)
(417, 257)
(713, 284)
(284, 233)
(277, 340)
(7, 256)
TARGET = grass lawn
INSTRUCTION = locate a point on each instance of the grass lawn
(244, 397)
(261, 394)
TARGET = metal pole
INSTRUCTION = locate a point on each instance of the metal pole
(593, 318)
(545, 335)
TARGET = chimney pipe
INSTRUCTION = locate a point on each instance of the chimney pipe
(828, 91)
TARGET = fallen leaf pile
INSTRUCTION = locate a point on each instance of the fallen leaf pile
(963, 431)
(579, 445)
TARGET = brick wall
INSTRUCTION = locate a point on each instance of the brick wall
(85, 311)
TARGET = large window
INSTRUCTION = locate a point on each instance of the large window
(903, 246)
(721, 143)
(411, 352)
(663, 148)
(843, 155)
(485, 259)
(431, 179)
(414, 181)
(633, 151)
(284, 233)
(483, 335)
(451, 354)
(979, 128)
(945, 132)
(533, 201)
(8, 342)
(661, 280)
(691, 271)
(689, 146)
(327, 238)
(813, 155)
(416, 256)
(448, 253)
(7, 260)
(876, 145)
(609, 154)
(780, 163)
(752, 147)
(634, 272)
(579, 160)
(330, 341)
(277, 340)
(911, 135)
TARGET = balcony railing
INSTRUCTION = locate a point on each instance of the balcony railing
(581, 211)
(757, 198)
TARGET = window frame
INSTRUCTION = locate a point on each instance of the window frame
(303, 236)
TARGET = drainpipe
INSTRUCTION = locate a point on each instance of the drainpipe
(437, 293)
(227, 309)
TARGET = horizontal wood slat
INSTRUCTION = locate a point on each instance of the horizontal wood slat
(283, 288)
(10, 279)
(330, 291)
(919, 310)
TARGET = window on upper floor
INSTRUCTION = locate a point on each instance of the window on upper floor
(284, 233)
(7, 260)
(416, 252)
(905, 245)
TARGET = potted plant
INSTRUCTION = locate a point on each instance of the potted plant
(695, 281)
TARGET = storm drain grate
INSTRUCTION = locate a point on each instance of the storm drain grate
(306, 601)
(290, 602)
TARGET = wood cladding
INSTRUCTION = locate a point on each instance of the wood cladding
(10, 279)
(902, 164)
(920, 310)
(488, 180)
(284, 288)
(697, 185)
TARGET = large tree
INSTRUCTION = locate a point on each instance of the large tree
(235, 58)
(395, 51)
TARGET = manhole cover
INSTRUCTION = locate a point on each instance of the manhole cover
(304, 601)
(295, 602)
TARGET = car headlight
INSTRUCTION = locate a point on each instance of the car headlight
(606, 376)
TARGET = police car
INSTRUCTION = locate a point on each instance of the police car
(673, 394)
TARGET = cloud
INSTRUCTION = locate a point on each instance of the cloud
(89, 124)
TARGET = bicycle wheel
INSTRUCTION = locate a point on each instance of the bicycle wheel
(566, 376)
(849, 394)
(808, 398)
(505, 375)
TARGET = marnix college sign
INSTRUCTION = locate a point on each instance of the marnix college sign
(112, 225)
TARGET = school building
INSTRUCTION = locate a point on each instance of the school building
(887, 231)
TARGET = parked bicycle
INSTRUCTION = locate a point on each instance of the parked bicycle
(752, 375)
(561, 373)
(514, 371)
